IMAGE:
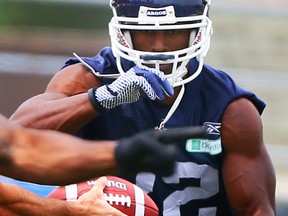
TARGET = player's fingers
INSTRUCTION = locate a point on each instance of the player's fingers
(94, 200)
(100, 184)
(96, 192)
(153, 81)
(174, 135)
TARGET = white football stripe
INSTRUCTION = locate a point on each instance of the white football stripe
(71, 192)
(140, 201)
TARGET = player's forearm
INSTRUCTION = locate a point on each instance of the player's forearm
(50, 157)
(55, 111)
(91, 160)
(250, 188)
(15, 201)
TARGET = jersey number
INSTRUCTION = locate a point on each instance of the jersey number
(209, 186)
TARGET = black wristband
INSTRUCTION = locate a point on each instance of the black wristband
(92, 98)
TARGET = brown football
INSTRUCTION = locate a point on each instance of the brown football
(119, 193)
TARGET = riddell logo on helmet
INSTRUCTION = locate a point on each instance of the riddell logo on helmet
(121, 38)
(156, 13)
(198, 38)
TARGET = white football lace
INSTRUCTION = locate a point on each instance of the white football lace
(118, 200)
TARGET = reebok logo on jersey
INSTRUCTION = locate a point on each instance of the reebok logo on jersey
(213, 127)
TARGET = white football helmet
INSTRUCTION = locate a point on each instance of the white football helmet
(161, 15)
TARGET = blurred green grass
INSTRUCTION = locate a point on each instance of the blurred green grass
(50, 15)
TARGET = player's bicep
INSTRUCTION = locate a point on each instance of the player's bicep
(241, 128)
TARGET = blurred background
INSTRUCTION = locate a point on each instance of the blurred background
(250, 42)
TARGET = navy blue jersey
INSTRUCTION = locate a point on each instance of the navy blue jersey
(196, 187)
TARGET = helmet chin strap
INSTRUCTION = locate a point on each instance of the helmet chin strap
(172, 109)
(181, 93)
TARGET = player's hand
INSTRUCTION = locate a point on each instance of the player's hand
(154, 151)
(93, 202)
(130, 87)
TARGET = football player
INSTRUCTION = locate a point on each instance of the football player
(154, 76)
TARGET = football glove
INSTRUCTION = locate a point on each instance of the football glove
(130, 87)
(154, 151)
